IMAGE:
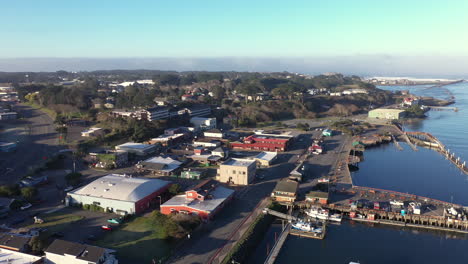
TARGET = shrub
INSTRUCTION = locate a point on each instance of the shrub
(9, 190)
(73, 178)
(28, 193)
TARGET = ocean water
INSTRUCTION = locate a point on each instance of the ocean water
(424, 172)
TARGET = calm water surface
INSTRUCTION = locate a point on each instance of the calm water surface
(424, 173)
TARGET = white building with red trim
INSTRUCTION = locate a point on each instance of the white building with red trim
(204, 200)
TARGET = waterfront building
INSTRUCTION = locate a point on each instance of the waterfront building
(285, 191)
(382, 113)
(317, 196)
(205, 200)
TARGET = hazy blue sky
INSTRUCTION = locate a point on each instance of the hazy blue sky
(240, 28)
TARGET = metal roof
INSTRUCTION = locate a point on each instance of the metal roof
(268, 156)
(238, 162)
(219, 195)
(121, 187)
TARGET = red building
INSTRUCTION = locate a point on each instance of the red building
(204, 200)
(265, 143)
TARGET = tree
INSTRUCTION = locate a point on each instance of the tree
(174, 189)
(28, 193)
(73, 178)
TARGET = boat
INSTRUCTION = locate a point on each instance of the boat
(306, 227)
(324, 180)
(396, 202)
(317, 212)
(416, 207)
(336, 218)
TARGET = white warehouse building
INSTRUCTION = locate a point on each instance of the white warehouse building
(119, 193)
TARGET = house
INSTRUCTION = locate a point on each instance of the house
(205, 200)
(207, 159)
(214, 133)
(199, 110)
(66, 252)
(8, 116)
(203, 123)
(237, 171)
(14, 257)
(93, 132)
(263, 142)
(120, 194)
(220, 151)
(109, 158)
(161, 166)
(285, 191)
(410, 101)
(266, 159)
(188, 97)
(138, 149)
(317, 196)
(206, 142)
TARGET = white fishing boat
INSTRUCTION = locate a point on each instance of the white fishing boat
(317, 212)
(306, 226)
(336, 218)
(396, 202)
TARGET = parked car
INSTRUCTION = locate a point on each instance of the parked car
(115, 220)
(106, 227)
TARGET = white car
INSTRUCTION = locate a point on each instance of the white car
(26, 206)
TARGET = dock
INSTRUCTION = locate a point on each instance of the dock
(428, 140)
(278, 245)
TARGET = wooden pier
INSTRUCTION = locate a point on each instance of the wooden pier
(278, 245)
(428, 140)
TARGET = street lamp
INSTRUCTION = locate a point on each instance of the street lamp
(160, 201)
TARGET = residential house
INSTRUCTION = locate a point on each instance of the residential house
(66, 252)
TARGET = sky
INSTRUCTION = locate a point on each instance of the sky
(188, 30)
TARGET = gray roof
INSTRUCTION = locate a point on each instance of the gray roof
(121, 187)
(13, 241)
(80, 251)
(317, 194)
(286, 185)
(219, 195)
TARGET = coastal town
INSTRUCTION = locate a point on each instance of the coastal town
(189, 179)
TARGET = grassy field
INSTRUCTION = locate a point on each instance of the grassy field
(51, 113)
(138, 241)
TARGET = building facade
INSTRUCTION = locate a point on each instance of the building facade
(382, 113)
(120, 194)
(237, 171)
(265, 143)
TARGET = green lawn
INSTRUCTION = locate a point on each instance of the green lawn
(138, 241)
(56, 220)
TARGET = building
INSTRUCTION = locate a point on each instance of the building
(192, 174)
(206, 142)
(138, 149)
(383, 113)
(168, 140)
(199, 110)
(317, 196)
(263, 142)
(14, 242)
(155, 113)
(109, 159)
(120, 194)
(161, 166)
(93, 132)
(214, 133)
(14, 257)
(8, 116)
(237, 171)
(355, 91)
(204, 200)
(410, 101)
(7, 146)
(203, 123)
(266, 159)
(220, 151)
(285, 191)
(66, 252)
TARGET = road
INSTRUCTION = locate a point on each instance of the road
(36, 140)
(204, 243)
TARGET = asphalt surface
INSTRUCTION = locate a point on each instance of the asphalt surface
(36, 140)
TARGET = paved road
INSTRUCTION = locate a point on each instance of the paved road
(212, 236)
(37, 140)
